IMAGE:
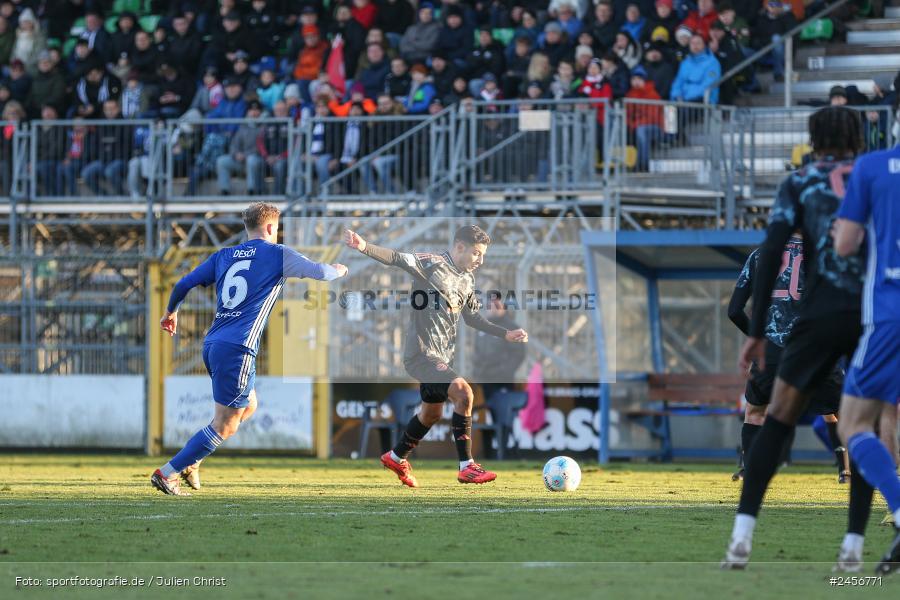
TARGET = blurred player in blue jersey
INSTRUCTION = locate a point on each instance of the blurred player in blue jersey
(871, 210)
(783, 313)
(248, 279)
(827, 327)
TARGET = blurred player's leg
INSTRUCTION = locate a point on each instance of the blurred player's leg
(225, 423)
(871, 390)
(788, 404)
(754, 417)
(417, 428)
(842, 460)
(850, 555)
(460, 393)
(873, 460)
(887, 427)
(191, 474)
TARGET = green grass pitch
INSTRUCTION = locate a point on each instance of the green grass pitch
(300, 528)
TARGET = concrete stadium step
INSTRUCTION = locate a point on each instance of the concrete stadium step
(864, 38)
(804, 52)
(892, 12)
(848, 74)
(858, 62)
(809, 89)
(676, 166)
(784, 139)
(885, 24)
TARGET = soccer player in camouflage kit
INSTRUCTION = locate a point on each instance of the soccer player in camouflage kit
(828, 326)
(782, 315)
(443, 289)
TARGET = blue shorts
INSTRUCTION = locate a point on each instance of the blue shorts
(873, 374)
(233, 372)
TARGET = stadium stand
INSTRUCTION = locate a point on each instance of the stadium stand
(120, 102)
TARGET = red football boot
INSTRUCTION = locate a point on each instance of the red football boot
(473, 473)
(402, 469)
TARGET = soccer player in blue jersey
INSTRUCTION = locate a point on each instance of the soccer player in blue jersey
(871, 210)
(248, 279)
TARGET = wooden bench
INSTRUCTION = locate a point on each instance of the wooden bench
(679, 394)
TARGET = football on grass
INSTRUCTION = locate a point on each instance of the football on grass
(562, 474)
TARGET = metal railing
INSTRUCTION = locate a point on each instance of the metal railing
(536, 144)
(788, 40)
(377, 157)
(88, 159)
(588, 149)
(772, 141)
(204, 156)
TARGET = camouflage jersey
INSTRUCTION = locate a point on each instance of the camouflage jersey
(808, 200)
(441, 292)
(785, 296)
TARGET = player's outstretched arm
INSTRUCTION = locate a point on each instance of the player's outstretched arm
(406, 261)
(297, 265)
(203, 275)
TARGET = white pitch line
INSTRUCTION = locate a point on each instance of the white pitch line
(395, 511)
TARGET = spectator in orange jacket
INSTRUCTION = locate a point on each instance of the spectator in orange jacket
(310, 58)
(701, 20)
(357, 96)
(645, 120)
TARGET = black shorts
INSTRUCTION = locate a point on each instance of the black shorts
(824, 400)
(433, 376)
(759, 387)
(809, 360)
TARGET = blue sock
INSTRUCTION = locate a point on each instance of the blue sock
(876, 466)
(198, 447)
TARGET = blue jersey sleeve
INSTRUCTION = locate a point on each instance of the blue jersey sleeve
(203, 275)
(857, 205)
(297, 265)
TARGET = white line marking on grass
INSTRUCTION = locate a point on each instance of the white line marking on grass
(396, 511)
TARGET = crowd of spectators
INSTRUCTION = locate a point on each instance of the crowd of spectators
(89, 59)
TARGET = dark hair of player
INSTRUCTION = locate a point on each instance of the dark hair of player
(258, 214)
(471, 235)
(836, 131)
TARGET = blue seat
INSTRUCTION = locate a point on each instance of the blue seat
(403, 404)
(504, 406)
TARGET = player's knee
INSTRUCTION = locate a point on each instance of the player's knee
(227, 427)
(462, 396)
(755, 415)
(430, 414)
(847, 428)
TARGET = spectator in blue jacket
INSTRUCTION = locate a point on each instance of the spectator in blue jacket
(635, 23)
(421, 92)
(697, 72)
(232, 106)
(217, 138)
